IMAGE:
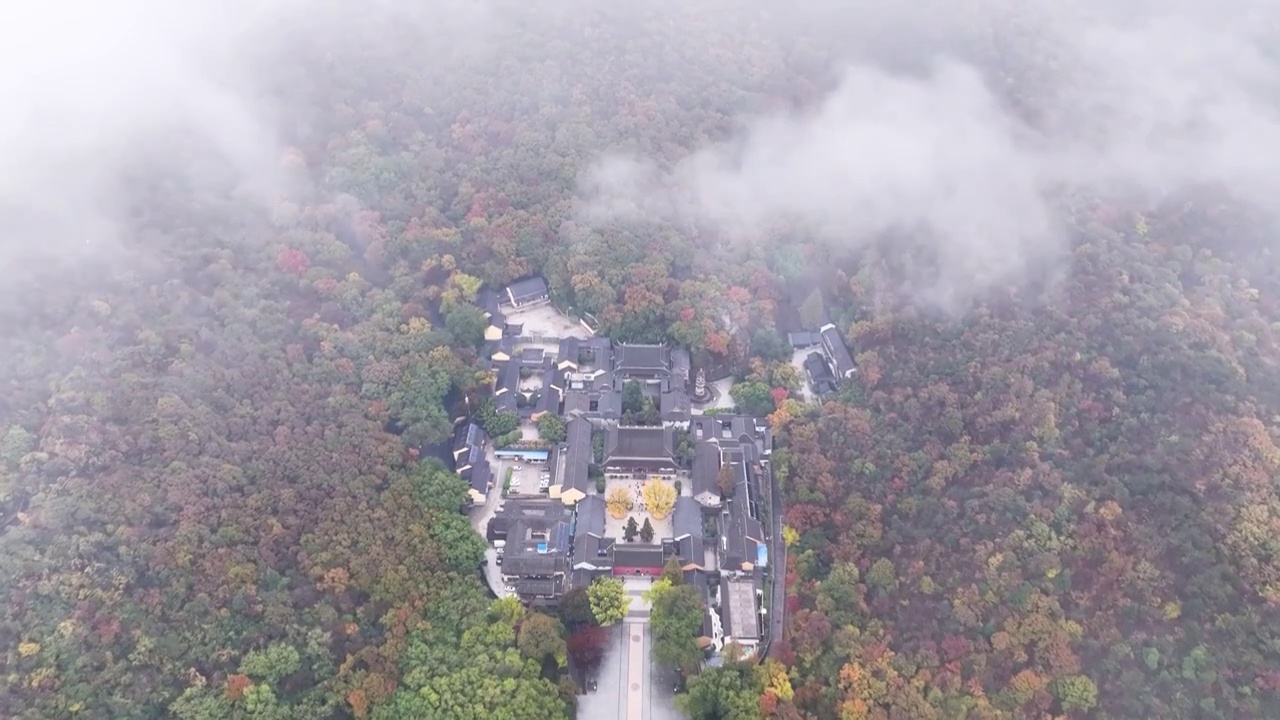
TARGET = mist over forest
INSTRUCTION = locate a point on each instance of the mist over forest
(241, 248)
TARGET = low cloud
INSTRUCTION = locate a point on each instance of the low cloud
(1145, 101)
(102, 97)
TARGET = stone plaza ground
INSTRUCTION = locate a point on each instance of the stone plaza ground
(629, 686)
(545, 321)
(614, 527)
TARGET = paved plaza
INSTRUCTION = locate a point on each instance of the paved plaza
(545, 321)
(629, 687)
(614, 527)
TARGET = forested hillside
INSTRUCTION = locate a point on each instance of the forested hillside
(1049, 491)
(1059, 509)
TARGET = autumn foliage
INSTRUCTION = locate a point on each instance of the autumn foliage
(659, 497)
(619, 501)
(217, 477)
(236, 685)
(293, 261)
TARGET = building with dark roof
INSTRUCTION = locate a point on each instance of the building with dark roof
(592, 550)
(686, 523)
(706, 474)
(538, 539)
(527, 291)
(487, 300)
(698, 579)
(740, 610)
(819, 373)
(642, 361)
(804, 339)
(553, 544)
(573, 463)
(838, 351)
(742, 543)
(742, 538)
(469, 460)
(637, 559)
(674, 406)
(507, 387)
(639, 450)
(548, 398)
(586, 356)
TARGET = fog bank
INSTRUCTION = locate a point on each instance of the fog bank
(927, 139)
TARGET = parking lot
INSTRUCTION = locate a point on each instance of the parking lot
(525, 480)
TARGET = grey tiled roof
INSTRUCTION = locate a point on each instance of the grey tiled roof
(804, 339)
(639, 443)
(577, 454)
(526, 290)
(637, 555)
(674, 405)
(835, 345)
(468, 445)
(479, 476)
(706, 468)
(738, 608)
(647, 359)
(508, 385)
(687, 518)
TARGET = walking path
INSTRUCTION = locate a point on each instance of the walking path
(634, 632)
(629, 687)
(480, 517)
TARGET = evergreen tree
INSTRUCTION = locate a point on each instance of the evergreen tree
(646, 532)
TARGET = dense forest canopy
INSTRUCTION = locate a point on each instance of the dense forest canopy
(242, 243)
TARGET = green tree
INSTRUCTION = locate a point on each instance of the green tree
(672, 573)
(418, 404)
(542, 636)
(466, 323)
(632, 397)
(609, 600)
(675, 620)
(551, 428)
(646, 531)
(17, 442)
(201, 703)
(477, 668)
(753, 398)
(1077, 692)
(729, 692)
(495, 423)
(881, 575)
(839, 596)
(272, 663)
(575, 608)
(460, 546)
(767, 344)
(630, 530)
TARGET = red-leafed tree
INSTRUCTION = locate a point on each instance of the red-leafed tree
(293, 261)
